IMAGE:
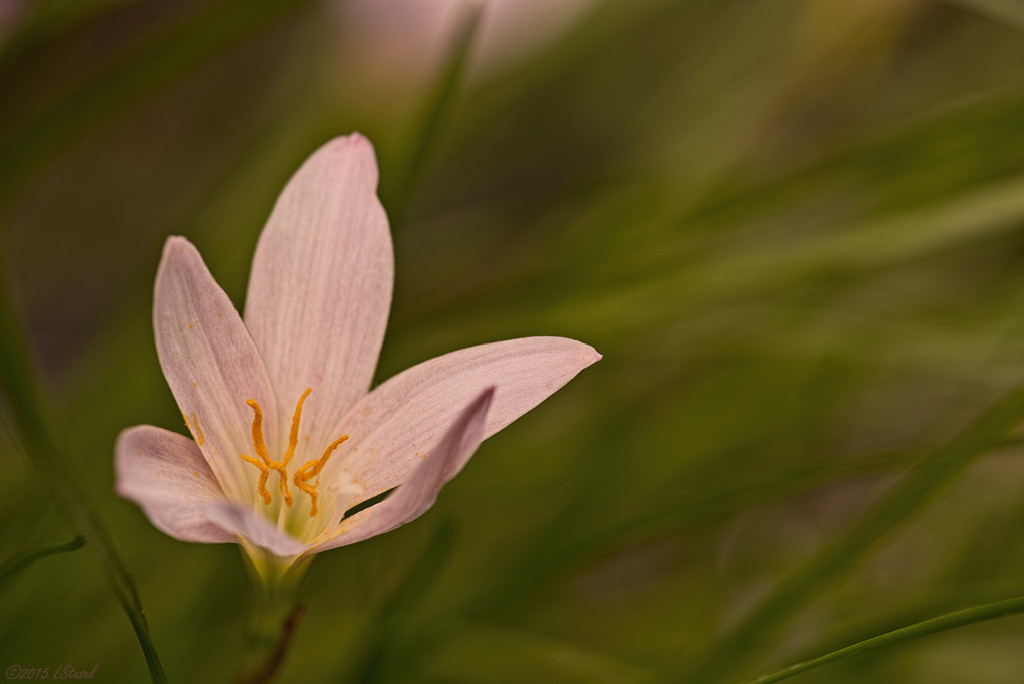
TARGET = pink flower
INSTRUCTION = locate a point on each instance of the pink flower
(287, 436)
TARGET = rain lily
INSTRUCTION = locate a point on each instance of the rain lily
(286, 434)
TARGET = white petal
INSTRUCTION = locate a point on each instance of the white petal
(413, 498)
(167, 476)
(321, 285)
(212, 366)
(254, 528)
(393, 427)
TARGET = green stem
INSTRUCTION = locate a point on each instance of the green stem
(933, 472)
(276, 613)
(960, 618)
(37, 430)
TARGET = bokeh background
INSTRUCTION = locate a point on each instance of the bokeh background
(794, 228)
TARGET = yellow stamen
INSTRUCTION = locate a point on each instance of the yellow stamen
(264, 474)
(312, 469)
(257, 432)
(268, 464)
(293, 437)
(293, 440)
(307, 472)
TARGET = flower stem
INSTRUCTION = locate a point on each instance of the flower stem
(276, 614)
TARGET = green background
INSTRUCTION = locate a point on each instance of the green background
(793, 228)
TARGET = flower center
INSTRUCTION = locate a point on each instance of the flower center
(305, 473)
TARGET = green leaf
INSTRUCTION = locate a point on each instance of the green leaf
(960, 618)
(19, 561)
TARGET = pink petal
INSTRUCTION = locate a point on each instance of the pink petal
(321, 284)
(393, 427)
(253, 527)
(412, 499)
(212, 366)
(167, 476)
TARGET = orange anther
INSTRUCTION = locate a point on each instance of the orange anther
(305, 473)
(312, 469)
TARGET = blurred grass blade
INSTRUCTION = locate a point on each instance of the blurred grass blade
(19, 561)
(471, 650)
(149, 67)
(1008, 12)
(37, 429)
(702, 504)
(960, 618)
(933, 472)
(436, 110)
(385, 628)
